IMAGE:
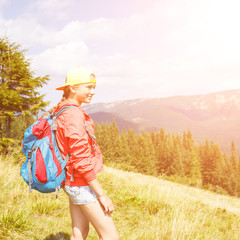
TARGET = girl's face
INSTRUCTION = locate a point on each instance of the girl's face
(83, 93)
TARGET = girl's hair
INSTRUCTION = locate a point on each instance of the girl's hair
(65, 96)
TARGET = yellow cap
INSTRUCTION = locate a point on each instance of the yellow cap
(78, 75)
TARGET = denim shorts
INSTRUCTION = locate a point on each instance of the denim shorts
(80, 195)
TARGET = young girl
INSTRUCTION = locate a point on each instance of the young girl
(75, 135)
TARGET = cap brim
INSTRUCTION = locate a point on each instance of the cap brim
(60, 88)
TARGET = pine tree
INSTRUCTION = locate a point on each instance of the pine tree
(191, 159)
(233, 159)
(208, 164)
(177, 167)
(146, 161)
(125, 152)
(19, 87)
(102, 133)
(115, 142)
(220, 166)
(226, 182)
(235, 174)
(161, 151)
(132, 146)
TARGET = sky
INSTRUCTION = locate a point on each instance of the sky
(136, 48)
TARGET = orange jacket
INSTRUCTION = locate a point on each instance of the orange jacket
(85, 155)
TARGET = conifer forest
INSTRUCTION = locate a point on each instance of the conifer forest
(175, 157)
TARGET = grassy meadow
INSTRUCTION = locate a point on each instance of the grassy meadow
(145, 208)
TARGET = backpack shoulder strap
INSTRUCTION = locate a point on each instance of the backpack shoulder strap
(54, 127)
(56, 115)
(89, 133)
(63, 109)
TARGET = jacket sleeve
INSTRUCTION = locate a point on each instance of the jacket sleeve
(78, 139)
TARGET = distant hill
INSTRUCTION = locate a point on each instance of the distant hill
(104, 117)
(214, 116)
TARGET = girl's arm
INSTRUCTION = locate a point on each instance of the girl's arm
(105, 201)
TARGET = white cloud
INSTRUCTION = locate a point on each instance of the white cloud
(26, 32)
(3, 3)
(176, 46)
(59, 59)
(52, 9)
(96, 29)
(53, 5)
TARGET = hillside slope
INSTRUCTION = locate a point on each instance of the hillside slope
(104, 117)
(146, 208)
(215, 116)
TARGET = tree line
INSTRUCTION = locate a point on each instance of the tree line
(174, 156)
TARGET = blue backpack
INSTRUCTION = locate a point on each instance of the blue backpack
(44, 168)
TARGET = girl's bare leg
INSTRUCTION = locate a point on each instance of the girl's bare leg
(103, 223)
(80, 224)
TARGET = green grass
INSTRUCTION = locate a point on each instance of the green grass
(145, 208)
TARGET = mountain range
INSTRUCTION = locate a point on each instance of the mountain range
(214, 116)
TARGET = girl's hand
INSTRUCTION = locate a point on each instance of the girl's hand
(106, 204)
